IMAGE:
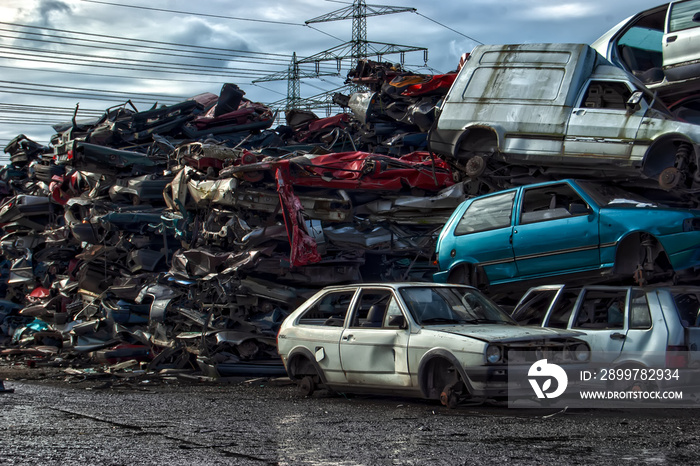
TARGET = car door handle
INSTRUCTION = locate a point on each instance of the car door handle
(346, 337)
(580, 112)
(617, 336)
(670, 39)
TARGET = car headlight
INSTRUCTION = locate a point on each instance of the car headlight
(493, 354)
(582, 352)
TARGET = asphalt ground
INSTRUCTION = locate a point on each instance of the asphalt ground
(56, 419)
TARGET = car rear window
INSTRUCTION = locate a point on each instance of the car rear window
(330, 310)
(485, 214)
(516, 83)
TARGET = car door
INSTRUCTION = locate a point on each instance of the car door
(320, 328)
(483, 236)
(373, 352)
(556, 232)
(681, 41)
(600, 126)
(644, 342)
(600, 314)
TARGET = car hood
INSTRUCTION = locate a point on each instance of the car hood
(498, 333)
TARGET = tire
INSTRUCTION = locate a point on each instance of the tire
(461, 275)
(444, 382)
(641, 259)
(306, 385)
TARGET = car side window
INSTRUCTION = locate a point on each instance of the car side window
(640, 315)
(485, 214)
(551, 202)
(602, 310)
(606, 94)
(371, 308)
(681, 15)
(330, 309)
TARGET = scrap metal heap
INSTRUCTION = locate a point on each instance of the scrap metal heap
(179, 238)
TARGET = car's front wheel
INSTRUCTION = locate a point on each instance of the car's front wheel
(444, 382)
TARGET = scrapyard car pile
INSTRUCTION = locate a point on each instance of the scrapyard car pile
(180, 237)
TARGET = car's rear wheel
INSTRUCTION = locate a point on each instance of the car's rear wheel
(304, 373)
(642, 259)
(306, 386)
(461, 275)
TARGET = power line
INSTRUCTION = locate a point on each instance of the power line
(194, 14)
(87, 96)
(152, 70)
(140, 42)
(97, 95)
(92, 90)
(133, 48)
(101, 61)
(131, 77)
(447, 27)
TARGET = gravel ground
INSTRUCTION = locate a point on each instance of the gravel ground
(52, 418)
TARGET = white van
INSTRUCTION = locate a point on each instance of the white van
(560, 108)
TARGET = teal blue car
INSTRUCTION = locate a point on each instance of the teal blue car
(570, 229)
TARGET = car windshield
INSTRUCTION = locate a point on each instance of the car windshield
(452, 305)
(613, 196)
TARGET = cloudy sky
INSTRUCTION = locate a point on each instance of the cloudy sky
(56, 54)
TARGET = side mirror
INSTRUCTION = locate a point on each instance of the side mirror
(398, 321)
(634, 102)
(578, 208)
(696, 17)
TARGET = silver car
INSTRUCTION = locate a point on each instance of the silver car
(434, 341)
(625, 326)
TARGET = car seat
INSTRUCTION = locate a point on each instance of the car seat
(375, 316)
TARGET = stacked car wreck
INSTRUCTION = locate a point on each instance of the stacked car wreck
(181, 236)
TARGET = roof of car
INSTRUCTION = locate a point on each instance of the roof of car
(393, 285)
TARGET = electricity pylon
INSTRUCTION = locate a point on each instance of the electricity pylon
(293, 76)
(357, 49)
(359, 12)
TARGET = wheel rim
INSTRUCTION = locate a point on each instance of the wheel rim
(670, 177)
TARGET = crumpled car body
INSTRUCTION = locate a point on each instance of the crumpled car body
(107, 160)
(363, 170)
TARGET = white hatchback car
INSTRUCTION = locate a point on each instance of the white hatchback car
(434, 341)
(660, 46)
